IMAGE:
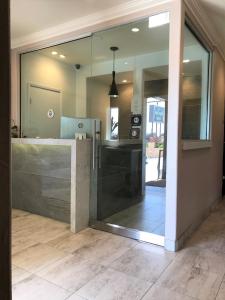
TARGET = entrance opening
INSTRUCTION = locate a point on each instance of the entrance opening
(127, 130)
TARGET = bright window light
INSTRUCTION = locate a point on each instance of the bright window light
(159, 20)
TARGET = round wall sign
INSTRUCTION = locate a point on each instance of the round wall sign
(51, 113)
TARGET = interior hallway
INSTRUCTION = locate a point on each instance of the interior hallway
(50, 263)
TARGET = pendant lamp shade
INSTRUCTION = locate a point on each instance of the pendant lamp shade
(113, 92)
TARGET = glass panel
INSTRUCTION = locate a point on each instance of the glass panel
(65, 91)
(196, 98)
(52, 87)
(132, 170)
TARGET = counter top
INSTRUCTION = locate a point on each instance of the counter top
(32, 141)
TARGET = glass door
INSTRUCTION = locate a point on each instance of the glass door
(127, 202)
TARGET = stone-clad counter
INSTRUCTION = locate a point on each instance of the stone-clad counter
(51, 177)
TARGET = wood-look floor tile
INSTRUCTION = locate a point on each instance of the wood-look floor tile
(191, 281)
(75, 297)
(71, 272)
(114, 285)
(159, 292)
(142, 264)
(35, 288)
(204, 259)
(105, 251)
(72, 242)
(19, 274)
(221, 293)
(16, 213)
(37, 257)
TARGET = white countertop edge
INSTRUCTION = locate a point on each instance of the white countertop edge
(195, 145)
(31, 141)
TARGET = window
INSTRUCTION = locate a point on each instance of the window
(114, 119)
(196, 87)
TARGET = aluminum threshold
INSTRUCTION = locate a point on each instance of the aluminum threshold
(130, 233)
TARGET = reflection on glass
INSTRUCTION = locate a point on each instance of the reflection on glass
(72, 81)
(114, 121)
(196, 98)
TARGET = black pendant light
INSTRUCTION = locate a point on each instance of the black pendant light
(113, 92)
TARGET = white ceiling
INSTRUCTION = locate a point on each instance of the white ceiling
(36, 16)
(30, 16)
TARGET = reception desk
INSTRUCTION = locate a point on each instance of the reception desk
(51, 177)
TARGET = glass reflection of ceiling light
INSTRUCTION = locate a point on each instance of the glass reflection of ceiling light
(62, 56)
(159, 20)
(54, 52)
(185, 61)
(124, 81)
(135, 29)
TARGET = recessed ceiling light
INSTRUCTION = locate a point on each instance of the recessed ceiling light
(185, 61)
(159, 20)
(54, 52)
(62, 56)
(124, 81)
(135, 29)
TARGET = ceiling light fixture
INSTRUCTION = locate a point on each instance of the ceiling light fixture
(62, 56)
(185, 61)
(124, 81)
(126, 63)
(54, 52)
(135, 29)
(159, 20)
(113, 92)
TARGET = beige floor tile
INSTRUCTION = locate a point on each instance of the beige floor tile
(105, 251)
(21, 242)
(191, 281)
(159, 292)
(75, 297)
(72, 242)
(35, 288)
(71, 272)
(221, 293)
(19, 274)
(37, 257)
(204, 259)
(142, 264)
(113, 285)
(19, 213)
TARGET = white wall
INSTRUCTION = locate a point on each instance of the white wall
(200, 171)
(44, 71)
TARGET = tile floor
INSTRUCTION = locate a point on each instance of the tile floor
(51, 263)
(148, 215)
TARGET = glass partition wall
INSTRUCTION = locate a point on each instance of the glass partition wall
(113, 86)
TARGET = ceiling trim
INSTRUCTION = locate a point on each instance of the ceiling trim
(102, 16)
(201, 19)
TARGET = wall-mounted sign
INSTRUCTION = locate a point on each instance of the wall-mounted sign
(136, 120)
(135, 133)
(50, 113)
(156, 114)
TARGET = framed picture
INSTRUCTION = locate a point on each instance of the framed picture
(136, 120)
